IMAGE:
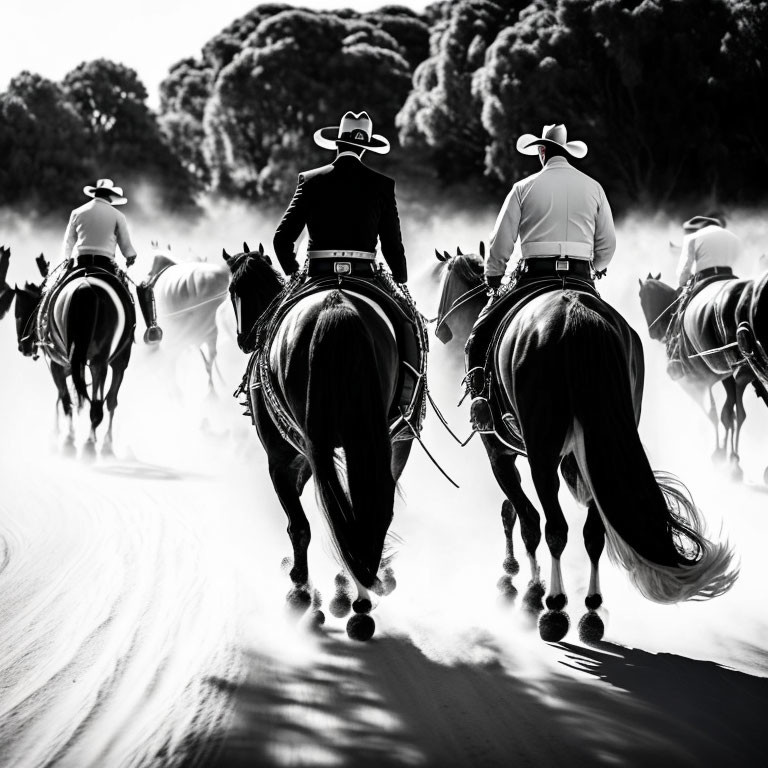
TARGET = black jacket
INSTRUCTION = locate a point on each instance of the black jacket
(345, 206)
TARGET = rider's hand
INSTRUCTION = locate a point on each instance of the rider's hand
(493, 282)
(129, 261)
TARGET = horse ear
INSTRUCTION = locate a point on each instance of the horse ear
(640, 281)
(225, 255)
(650, 276)
(268, 259)
(482, 249)
(437, 255)
(458, 251)
(246, 249)
(168, 246)
(446, 256)
(261, 250)
(658, 277)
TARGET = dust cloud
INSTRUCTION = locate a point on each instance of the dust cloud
(142, 617)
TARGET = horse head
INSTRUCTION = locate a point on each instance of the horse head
(253, 285)
(27, 299)
(6, 292)
(656, 299)
(461, 294)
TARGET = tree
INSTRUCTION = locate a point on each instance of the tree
(43, 143)
(442, 112)
(125, 138)
(299, 70)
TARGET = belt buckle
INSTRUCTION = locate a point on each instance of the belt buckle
(342, 267)
(562, 265)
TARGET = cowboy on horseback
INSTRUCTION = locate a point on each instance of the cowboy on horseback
(346, 207)
(708, 254)
(567, 236)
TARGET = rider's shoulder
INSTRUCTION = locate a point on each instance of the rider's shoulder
(315, 172)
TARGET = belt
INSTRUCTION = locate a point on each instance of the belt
(335, 266)
(557, 248)
(568, 267)
(341, 254)
(712, 271)
(95, 260)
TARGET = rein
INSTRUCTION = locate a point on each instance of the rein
(463, 299)
(714, 351)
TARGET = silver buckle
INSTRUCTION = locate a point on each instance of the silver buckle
(562, 265)
(342, 267)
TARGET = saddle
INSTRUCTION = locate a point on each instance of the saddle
(47, 336)
(409, 405)
(510, 303)
(724, 309)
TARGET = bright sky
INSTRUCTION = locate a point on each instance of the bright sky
(51, 37)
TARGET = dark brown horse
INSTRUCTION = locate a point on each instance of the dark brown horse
(571, 370)
(724, 333)
(90, 324)
(6, 292)
(334, 363)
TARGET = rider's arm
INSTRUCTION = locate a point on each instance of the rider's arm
(504, 235)
(289, 229)
(124, 239)
(70, 238)
(685, 265)
(605, 234)
(391, 240)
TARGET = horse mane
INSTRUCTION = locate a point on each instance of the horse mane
(467, 267)
(253, 275)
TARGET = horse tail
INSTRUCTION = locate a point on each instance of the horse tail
(348, 444)
(82, 319)
(653, 528)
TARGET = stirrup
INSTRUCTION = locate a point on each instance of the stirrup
(480, 415)
(153, 334)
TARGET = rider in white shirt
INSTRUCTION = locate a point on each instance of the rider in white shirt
(97, 228)
(709, 249)
(565, 226)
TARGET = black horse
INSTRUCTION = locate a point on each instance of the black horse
(88, 323)
(6, 292)
(571, 370)
(334, 366)
(724, 337)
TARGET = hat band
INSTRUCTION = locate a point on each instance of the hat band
(355, 135)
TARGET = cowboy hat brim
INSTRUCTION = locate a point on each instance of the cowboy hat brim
(116, 194)
(528, 144)
(699, 222)
(327, 138)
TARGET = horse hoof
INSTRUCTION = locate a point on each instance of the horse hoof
(553, 626)
(315, 620)
(362, 605)
(591, 628)
(340, 606)
(341, 582)
(533, 598)
(737, 473)
(718, 456)
(361, 627)
(390, 585)
(89, 453)
(556, 602)
(69, 450)
(298, 599)
(511, 566)
(507, 590)
(593, 602)
(107, 452)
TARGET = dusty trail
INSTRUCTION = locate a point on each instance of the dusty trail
(142, 619)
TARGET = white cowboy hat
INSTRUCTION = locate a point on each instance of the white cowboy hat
(354, 129)
(116, 193)
(551, 134)
(699, 222)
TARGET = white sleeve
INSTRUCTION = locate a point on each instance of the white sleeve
(504, 235)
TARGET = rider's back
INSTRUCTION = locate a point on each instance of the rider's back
(96, 228)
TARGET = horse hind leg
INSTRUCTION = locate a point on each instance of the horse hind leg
(65, 400)
(591, 626)
(96, 410)
(118, 372)
(543, 459)
(729, 418)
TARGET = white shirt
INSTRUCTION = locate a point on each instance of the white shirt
(557, 204)
(711, 246)
(97, 227)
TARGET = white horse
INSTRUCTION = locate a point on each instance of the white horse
(187, 297)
